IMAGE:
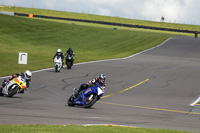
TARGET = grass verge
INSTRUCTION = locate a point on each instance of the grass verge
(79, 129)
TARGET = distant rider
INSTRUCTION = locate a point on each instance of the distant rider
(59, 53)
(100, 80)
(196, 34)
(26, 75)
(71, 53)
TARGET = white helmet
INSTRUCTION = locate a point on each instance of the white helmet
(27, 74)
(59, 50)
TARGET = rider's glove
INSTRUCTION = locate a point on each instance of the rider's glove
(93, 81)
(103, 87)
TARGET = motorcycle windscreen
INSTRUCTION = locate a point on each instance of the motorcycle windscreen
(100, 91)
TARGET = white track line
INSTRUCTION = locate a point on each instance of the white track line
(195, 102)
(102, 60)
(107, 125)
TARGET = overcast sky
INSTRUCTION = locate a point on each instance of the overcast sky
(175, 11)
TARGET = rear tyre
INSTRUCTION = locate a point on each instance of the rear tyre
(70, 101)
(1, 89)
(90, 100)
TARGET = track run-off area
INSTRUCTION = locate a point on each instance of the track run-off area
(151, 89)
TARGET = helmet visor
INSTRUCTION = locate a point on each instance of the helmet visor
(102, 80)
(27, 76)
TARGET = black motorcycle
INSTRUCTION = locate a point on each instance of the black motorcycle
(69, 61)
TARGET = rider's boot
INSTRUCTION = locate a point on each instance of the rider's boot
(75, 93)
(62, 64)
(4, 82)
(72, 62)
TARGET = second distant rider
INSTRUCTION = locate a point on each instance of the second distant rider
(71, 53)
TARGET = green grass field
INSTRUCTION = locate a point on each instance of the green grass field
(79, 129)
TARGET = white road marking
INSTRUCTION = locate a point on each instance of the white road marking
(195, 102)
(94, 117)
(177, 67)
(107, 125)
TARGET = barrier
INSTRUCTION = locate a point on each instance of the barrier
(30, 15)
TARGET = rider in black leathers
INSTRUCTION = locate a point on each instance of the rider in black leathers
(71, 53)
(100, 80)
(196, 34)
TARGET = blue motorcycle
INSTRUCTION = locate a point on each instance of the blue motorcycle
(87, 97)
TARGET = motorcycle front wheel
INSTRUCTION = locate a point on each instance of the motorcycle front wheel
(69, 65)
(71, 101)
(56, 68)
(12, 91)
(90, 100)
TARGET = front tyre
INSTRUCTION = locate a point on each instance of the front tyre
(69, 64)
(90, 100)
(59, 69)
(56, 68)
(71, 101)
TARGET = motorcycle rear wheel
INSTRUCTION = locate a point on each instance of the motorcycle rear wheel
(89, 103)
(1, 89)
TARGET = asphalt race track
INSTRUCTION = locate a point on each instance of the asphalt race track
(153, 89)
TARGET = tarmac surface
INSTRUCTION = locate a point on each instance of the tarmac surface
(153, 89)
